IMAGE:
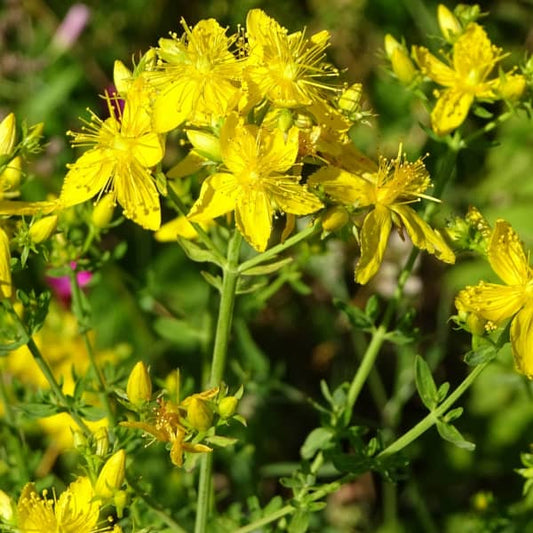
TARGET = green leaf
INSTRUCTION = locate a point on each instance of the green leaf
(443, 391)
(198, 253)
(39, 410)
(267, 269)
(179, 332)
(215, 281)
(299, 522)
(245, 286)
(452, 434)
(317, 440)
(372, 308)
(452, 415)
(220, 441)
(356, 316)
(481, 355)
(425, 384)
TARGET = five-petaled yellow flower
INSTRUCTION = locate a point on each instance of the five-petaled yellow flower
(389, 190)
(288, 69)
(496, 303)
(256, 181)
(198, 76)
(465, 77)
(123, 150)
(75, 511)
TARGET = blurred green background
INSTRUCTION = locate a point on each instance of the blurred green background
(160, 301)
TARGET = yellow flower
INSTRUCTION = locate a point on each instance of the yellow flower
(74, 512)
(465, 77)
(167, 427)
(288, 69)
(496, 303)
(395, 184)
(255, 183)
(199, 76)
(123, 149)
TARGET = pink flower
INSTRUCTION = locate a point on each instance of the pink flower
(61, 285)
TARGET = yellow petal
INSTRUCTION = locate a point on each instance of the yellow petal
(522, 340)
(217, 197)
(7, 134)
(434, 68)
(506, 255)
(5, 266)
(342, 186)
(491, 301)
(374, 237)
(14, 207)
(147, 150)
(423, 235)
(190, 164)
(86, 177)
(174, 105)
(137, 194)
(280, 154)
(178, 227)
(292, 197)
(75, 510)
(451, 110)
(238, 143)
(474, 53)
(253, 216)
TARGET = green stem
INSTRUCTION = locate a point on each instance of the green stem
(62, 400)
(432, 417)
(275, 250)
(77, 309)
(220, 349)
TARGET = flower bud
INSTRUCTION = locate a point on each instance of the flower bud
(512, 86)
(7, 134)
(101, 440)
(5, 266)
(449, 26)
(43, 229)
(78, 439)
(475, 324)
(401, 63)
(227, 406)
(139, 387)
(10, 177)
(31, 141)
(103, 211)
(205, 144)
(350, 99)
(199, 414)
(285, 120)
(111, 476)
(334, 218)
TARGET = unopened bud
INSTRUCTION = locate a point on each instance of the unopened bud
(475, 324)
(206, 144)
(103, 211)
(199, 414)
(101, 440)
(43, 229)
(7, 134)
(111, 476)
(139, 387)
(512, 86)
(32, 140)
(350, 99)
(78, 439)
(10, 177)
(285, 120)
(449, 26)
(227, 406)
(401, 63)
(334, 219)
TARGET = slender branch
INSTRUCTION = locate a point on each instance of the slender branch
(77, 309)
(432, 417)
(275, 250)
(62, 400)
